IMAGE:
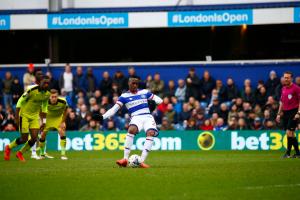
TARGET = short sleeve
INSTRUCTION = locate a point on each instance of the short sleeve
(121, 101)
(149, 95)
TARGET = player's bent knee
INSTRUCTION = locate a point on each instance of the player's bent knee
(151, 133)
(31, 142)
(132, 129)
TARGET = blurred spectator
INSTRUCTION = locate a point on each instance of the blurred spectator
(163, 106)
(16, 90)
(220, 125)
(297, 80)
(98, 96)
(248, 95)
(170, 90)
(132, 73)
(261, 97)
(206, 126)
(91, 82)
(233, 111)
(278, 89)
(9, 127)
(110, 126)
(6, 89)
(66, 81)
(171, 114)
(214, 96)
(72, 122)
(257, 124)
(177, 105)
(148, 81)
(185, 114)
(272, 82)
(207, 84)
(166, 125)
(232, 123)
(120, 80)
(180, 92)
(91, 126)
(200, 118)
(79, 80)
(232, 90)
(247, 83)
(221, 89)
(115, 90)
(105, 103)
(28, 77)
(83, 114)
(105, 84)
(269, 125)
(191, 124)
(53, 83)
(193, 85)
(157, 85)
(214, 119)
(239, 103)
(242, 124)
(223, 112)
(215, 107)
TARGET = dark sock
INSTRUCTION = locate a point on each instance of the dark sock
(295, 144)
(289, 145)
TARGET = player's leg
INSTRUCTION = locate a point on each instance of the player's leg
(42, 143)
(63, 143)
(28, 144)
(293, 140)
(20, 140)
(24, 131)
(151, 132)
(34, 128)
(132, 131)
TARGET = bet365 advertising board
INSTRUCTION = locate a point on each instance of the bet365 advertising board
(167, 140)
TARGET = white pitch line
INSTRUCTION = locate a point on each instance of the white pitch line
(272, 186)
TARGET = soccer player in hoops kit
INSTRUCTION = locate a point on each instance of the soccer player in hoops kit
(136, 102)
(55, 120)
(29, 105)
(290, 106)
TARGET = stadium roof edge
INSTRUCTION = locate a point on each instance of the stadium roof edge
(236, 62)
(159, 8)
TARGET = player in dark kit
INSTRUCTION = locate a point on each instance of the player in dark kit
(290, 106)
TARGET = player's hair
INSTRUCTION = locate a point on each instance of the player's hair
(288, 72)
(54, 91)
(133, 80)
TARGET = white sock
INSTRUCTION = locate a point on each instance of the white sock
(128, 143)
(147, 147)
(33, 149)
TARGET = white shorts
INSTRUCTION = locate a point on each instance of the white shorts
(144, 122)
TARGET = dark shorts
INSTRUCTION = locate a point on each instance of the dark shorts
(288, 119)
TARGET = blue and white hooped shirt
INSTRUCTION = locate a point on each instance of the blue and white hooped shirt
(136, 103)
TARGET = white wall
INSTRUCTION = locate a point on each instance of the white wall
(23, 4)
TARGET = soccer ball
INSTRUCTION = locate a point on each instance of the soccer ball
(134, 161)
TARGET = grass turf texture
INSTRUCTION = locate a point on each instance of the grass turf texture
(174, 175)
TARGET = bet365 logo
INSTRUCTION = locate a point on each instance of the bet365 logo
(206, 140)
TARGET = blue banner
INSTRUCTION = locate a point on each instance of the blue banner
(79, 21)
(210, 18)
(297, 15)
(4, 22)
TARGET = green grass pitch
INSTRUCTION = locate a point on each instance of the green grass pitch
(173, 175)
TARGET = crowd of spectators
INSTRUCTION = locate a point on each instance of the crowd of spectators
(191, 103)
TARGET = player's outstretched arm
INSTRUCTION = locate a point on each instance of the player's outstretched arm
(108, 113)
